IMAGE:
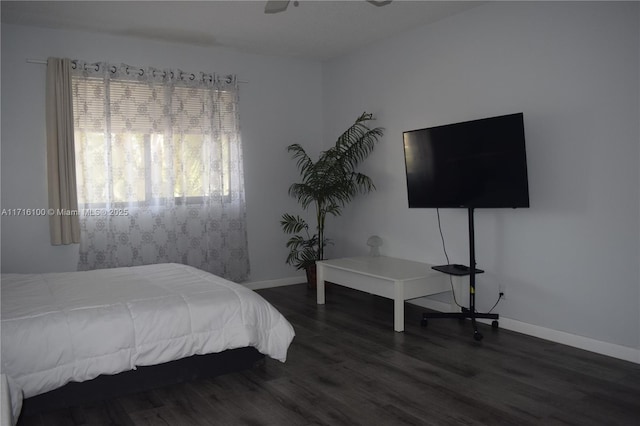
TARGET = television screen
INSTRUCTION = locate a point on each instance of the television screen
(473, 164)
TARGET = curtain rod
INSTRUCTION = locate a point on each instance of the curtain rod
(43, 62)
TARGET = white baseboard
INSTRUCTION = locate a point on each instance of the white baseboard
(604, 348)
(258, 285)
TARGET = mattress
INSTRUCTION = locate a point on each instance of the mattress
(62, 327)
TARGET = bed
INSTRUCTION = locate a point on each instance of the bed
(59, 328)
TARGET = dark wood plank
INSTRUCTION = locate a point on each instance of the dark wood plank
(347, 366)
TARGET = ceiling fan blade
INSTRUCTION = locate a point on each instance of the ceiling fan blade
(379, 3)
(276, 6)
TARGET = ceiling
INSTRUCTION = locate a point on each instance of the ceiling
(317, 30)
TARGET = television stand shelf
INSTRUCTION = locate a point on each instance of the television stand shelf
(455, 269)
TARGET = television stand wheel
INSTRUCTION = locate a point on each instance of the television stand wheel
(424, 322)
(494, 324)
(477, 335)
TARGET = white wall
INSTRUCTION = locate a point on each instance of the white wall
(275, 107)
(568, 263)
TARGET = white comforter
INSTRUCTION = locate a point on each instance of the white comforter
(62, 327)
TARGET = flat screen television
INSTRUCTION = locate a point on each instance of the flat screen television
(472, 164)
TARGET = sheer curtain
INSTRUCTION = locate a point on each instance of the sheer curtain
(159, 169)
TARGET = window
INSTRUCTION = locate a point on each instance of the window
(142, 143)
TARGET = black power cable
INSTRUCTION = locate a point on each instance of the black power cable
(444, 248)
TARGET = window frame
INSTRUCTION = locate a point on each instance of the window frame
(224, 193)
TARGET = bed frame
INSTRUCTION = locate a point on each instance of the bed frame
(144, 379)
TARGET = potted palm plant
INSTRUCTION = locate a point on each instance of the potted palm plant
(326, 185)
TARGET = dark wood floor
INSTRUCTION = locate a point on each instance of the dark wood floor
(347, 366)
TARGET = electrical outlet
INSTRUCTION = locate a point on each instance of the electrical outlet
(501, 291)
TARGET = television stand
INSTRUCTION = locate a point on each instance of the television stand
(471, 271)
